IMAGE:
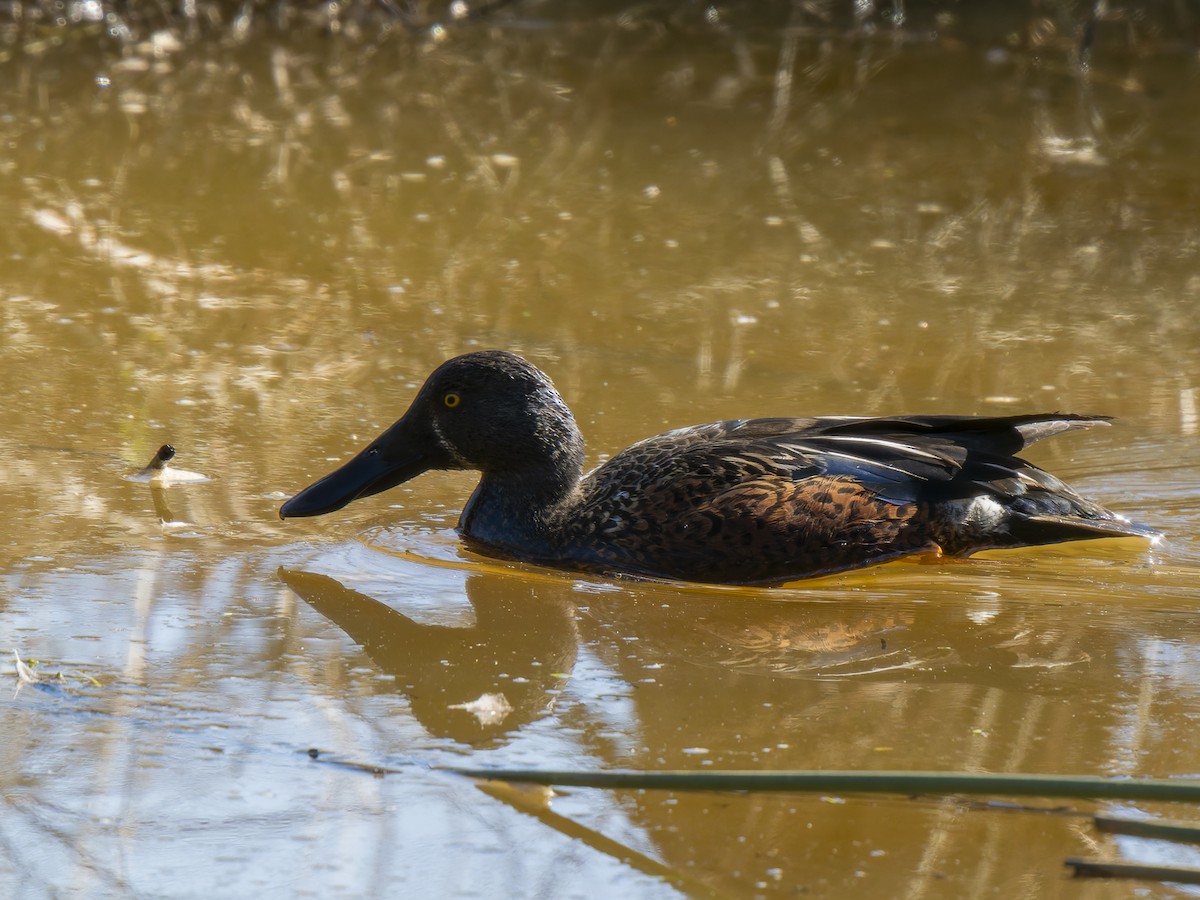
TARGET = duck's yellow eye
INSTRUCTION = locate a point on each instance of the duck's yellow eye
(451, 400)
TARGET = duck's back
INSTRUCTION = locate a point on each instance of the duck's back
(770, 500)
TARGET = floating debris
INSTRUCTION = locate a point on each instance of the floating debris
(158, 472)
(489, 709)
(25, 675)
(162, 456)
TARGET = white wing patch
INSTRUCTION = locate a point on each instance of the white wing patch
(985, 512)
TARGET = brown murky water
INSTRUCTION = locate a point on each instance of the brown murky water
(256, 252)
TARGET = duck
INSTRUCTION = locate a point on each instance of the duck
(760, 501)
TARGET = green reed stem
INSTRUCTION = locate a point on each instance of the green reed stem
(1013, 785)
(1103, 868)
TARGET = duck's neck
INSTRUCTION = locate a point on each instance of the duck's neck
(520, 509)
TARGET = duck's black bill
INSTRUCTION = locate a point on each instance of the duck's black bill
(391, 459)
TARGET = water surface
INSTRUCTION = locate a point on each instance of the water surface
(256, 251)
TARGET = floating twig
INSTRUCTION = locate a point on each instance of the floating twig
(369, 768)
(158, 462)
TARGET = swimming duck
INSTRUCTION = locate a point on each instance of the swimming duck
(748, 501)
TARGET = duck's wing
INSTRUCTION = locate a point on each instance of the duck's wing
(773, 499)
(928, 458)
(902, 459)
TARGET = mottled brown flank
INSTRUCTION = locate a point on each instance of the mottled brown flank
(756, 530)
(755, 502)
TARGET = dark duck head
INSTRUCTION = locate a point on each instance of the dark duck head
(751, 501)
(489, 411)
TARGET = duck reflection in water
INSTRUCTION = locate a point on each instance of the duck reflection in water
(523, 645)
(471, 684)
(670, 654)
(750, 501)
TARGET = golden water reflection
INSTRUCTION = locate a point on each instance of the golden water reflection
(256, 249)
(888, 672)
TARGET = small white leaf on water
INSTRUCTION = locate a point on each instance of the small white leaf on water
(489, 709)
(24, 674)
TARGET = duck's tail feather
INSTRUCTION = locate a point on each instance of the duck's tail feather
(1037, 428)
